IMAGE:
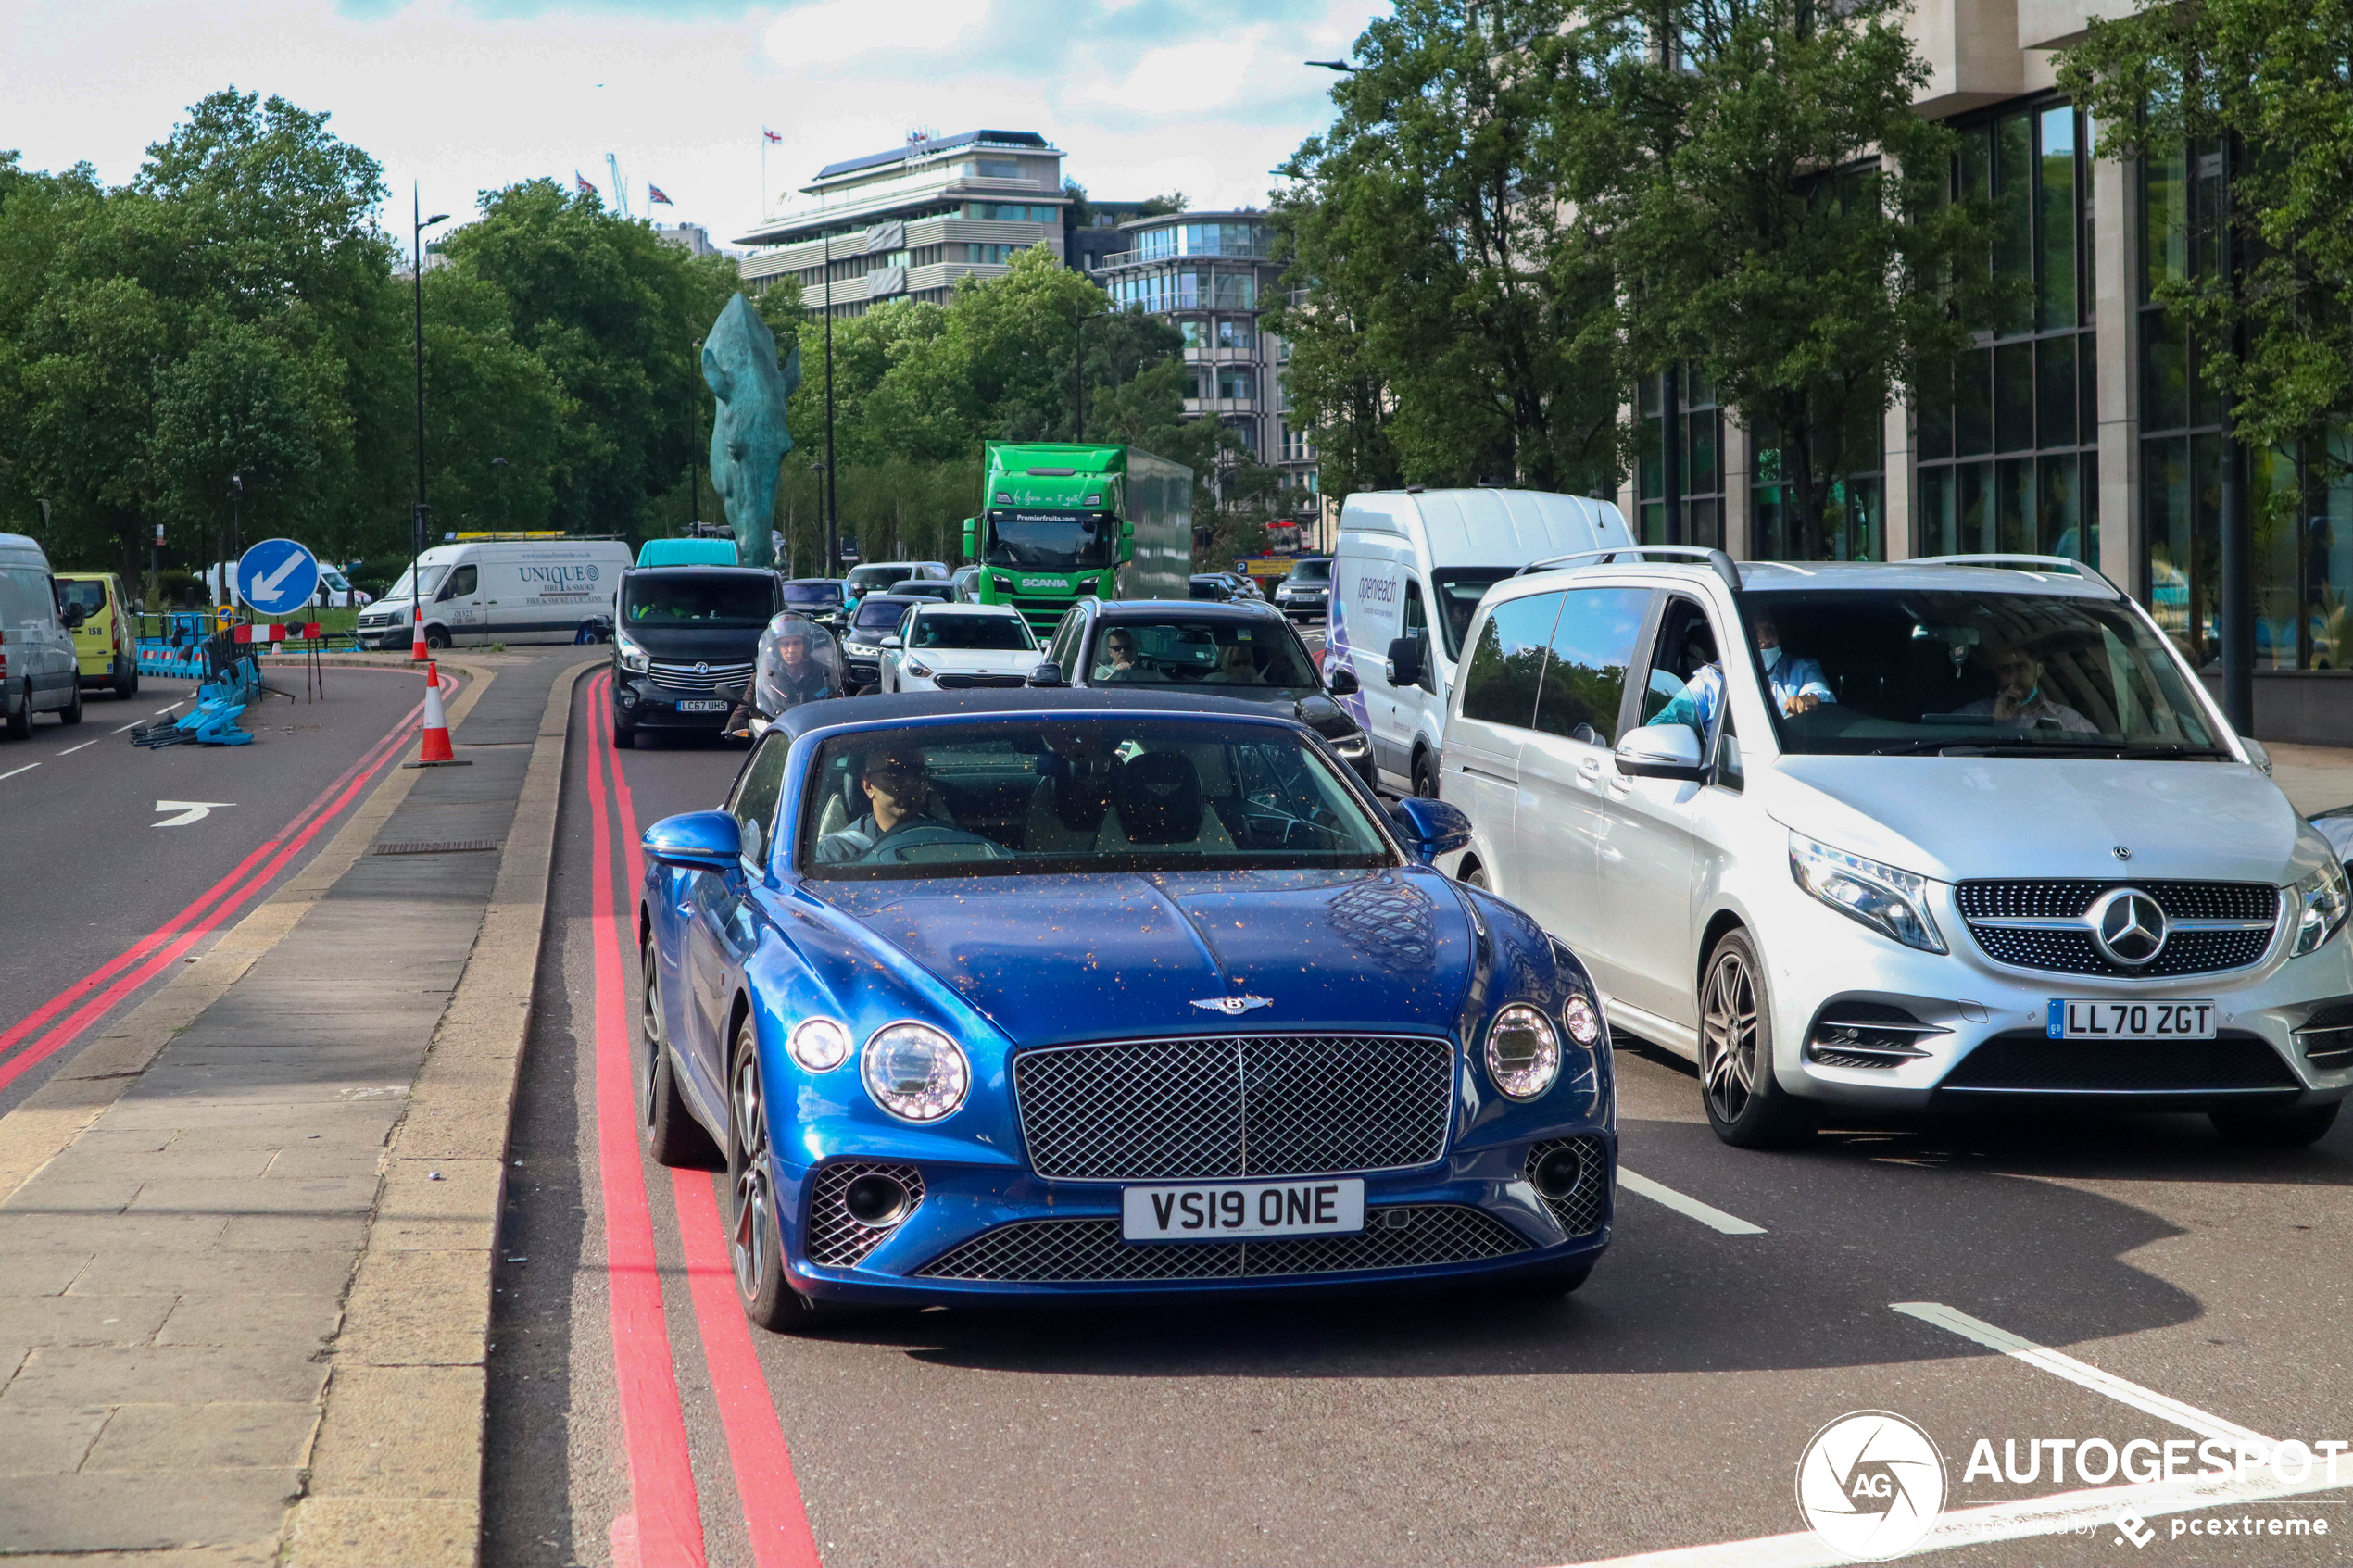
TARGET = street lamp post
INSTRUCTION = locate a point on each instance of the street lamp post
(833, 487)
(418, 225)
(1078, 377)
(236, 533)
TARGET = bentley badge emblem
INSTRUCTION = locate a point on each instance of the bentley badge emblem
(1232, 1007)
(2128, 926)
(2122, 852)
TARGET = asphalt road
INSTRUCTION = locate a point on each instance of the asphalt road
(103, 890)
(1748, 1299)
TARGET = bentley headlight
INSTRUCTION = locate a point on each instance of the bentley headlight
(2321, 901)
(1522, 1054)
(819, 1044)
(632, 658)
(1579, 1017)
(915, 1072)
(1892, 902)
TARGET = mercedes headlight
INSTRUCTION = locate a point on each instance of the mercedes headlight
(915, 1072)
(2321, 901)
(1892, 902)
(1522, 1054)
(632, 658)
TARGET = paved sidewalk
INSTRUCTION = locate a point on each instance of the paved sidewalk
(2316, 778)
(176, 1282)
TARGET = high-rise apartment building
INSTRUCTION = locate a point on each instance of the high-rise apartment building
(2082, 424)
(909, 222)
(1210, 273)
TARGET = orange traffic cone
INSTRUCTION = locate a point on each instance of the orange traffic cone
(435, 752)
(418, 652)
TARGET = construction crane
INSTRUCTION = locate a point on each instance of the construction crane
(620, 191)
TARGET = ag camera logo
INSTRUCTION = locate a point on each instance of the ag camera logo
(1870, 1485)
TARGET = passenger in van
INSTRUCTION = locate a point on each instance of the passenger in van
(1796, 683)
(2022, 702)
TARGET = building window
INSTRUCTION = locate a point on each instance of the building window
(1193, 331)
(882, 260)
(1200, 239)
(2302, 546)
(1159, 292)
(1233, 334)
(1011, 212)
(1235, 383)
(991, 255)
(1700, 460)
(2008, 447)
(993, 168)
(1296, 446)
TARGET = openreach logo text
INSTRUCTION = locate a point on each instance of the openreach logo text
(1870, 1485)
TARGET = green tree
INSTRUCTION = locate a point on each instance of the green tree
(613, 314)
(2266, 81)
(1775, 212)
(1456, 315)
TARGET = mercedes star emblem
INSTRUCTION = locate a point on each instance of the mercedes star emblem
(701, 669)
(1232, 1007)
(2128, 926)
(2122, 852)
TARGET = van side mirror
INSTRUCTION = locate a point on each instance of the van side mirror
(1343, 681)
(1408, 662)
(1661, 751)
(71, 616)
(972, 538)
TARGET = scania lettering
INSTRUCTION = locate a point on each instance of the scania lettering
(1061, 523)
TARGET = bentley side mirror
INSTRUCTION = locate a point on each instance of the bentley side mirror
(1430, 828)
(1661, 751)
(703, 841)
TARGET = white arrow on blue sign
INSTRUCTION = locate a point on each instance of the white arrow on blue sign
(277, 577)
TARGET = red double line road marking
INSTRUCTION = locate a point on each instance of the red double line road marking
(774, 1516)
(152, 953)
(653, 1427)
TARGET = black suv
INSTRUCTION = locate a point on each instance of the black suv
(1244, 650)
(683, 638)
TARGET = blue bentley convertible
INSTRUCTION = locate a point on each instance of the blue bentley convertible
(1002, 993)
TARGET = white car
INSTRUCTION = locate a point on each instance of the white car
(1960, 833)
(951, 646)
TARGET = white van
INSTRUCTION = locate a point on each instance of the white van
(39, 670)
(1409, 557)
(504, 590)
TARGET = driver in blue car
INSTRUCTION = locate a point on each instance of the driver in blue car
(898, 787)
(1796, 683)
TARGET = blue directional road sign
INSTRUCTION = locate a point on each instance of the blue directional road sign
(277, 577)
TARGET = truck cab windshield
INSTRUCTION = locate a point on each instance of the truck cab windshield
(1052, 541)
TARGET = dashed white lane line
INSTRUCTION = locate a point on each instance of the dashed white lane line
(133, 726)
(1682, 1203)
(161, 711)
(2083, 1374)
(71, 750)
(14, 772)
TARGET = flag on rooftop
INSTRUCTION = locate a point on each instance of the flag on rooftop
(582, 186)
(654, 193)
(769, 135)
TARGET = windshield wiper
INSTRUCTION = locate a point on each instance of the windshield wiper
(2168, 750)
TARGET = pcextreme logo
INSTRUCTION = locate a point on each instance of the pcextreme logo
(1870, 1485)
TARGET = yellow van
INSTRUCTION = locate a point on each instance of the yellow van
(107, 643)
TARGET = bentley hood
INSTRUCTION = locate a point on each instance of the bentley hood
(1056, 959)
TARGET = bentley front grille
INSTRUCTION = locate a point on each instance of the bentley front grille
(1220, 1106)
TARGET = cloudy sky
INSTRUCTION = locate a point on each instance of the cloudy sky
(1144, 96)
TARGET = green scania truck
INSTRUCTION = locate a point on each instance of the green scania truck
(1058, 522)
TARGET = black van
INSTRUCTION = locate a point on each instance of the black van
(683, 638)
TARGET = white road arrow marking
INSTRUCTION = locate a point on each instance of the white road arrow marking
(260, 586)
(190, 811)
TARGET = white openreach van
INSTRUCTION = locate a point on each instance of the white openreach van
(503, 590)
(1411, 557)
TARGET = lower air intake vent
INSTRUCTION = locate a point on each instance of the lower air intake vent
(2033, 1063)
(1572, 1176)
(838, 1236)
(1090, 1251)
